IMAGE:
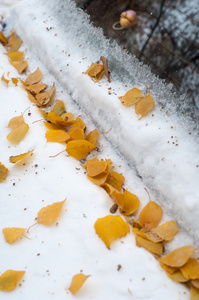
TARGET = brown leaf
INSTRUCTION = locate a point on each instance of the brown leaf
(177, 258)
(150, 216)
(105, 64)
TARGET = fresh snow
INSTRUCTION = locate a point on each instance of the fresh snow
(61, 42)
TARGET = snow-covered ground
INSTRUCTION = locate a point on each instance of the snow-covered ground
(159, 152)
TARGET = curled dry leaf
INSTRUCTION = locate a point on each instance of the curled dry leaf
(34, 77)
(79, 149)
(16, 56)
(177, 258)
(9, 279)
(3, 172)
(155, 248)
(11, 234)
(47, 215)
(77, 282)
(95, 71)
(147, 235)
(115, 195)
(18, 133)
(166, 231)
(57, 136)
(150, 216)
(36, 88)
(16, 158)
(111, 228)
(131, 97)
(130, 203)
(45, 97)
(20, 65)
(3, 39)
(14, 43)
(144, 106)
(93, 136)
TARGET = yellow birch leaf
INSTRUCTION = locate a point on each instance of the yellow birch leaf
(116, 180)
(77, 134)
(194, 293)
(4, 80)
(9, 279)
(32, 99)
(114, 194)
(144, 106)
(3, 39)
(155, 248)
(53, 126)
(57, 136)
(34, 77)
(16, 158)
(95, 70)
(47, 215)
(177, 258)
(166, 231)
(11, 234)
(59, 108)
(77, 282)
(177, 276)
(18, 133)
(16, 121)
(78, 124)
(131, 97)
(15, 81)
(36, 88)
(20, 65)
(147, 235)
(191, 269)
(68, 118)
(96, 167)
(79, 149)
(16, 56)
(168, 269)
(3, 172)
(150, 215)
(130, 203)
(195, 283)
(43, 113)
(14, 43)
(111, 228)
(136, 224)
(45, 97)
(99, 179)
(93, 136)
(57, 120)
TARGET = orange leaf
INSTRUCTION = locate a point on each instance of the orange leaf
(3, 172)
(16, 56)
(131, 97)
(32, 99)
(79, 149)
(155, 248)
(95, 70)
(36, 88)
(177, 258)
(130, 203)
(3, 39)
(47, 215)
(168, 269)
(166, 231)
(16, 121)
(34, 77)
(20, 65)
(53, 126)
(97, 167)
(9, 279)
(147, 235)
(15, 81)
(11, 234)
(114, 194)
(194, 293)
(78, 124)
(93, 136)
(195, 283)
(57, 136)
(191, 269)
(14, 43)
(116, 180)
(77, 282)
(16, 158)
(177, 276)
(111, 228)
(99, 179)
(77, 134)
(144, 106)
(68, 118)
(150, 215)
(59, 107)
(45, 97)
(18, 133)
(57, 120)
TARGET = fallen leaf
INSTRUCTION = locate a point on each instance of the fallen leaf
(18, 133)
(57, 120)
(155, 248)
(148, 235)
(191, 269)
(195, 283)
(166, 231)
(150, 216)
(47, 215)
(131, 97)
(34, 77)
(57, 136)
(144, 106)
(79, 149)
(11, 234)
(16, 121)
(105, 64)
(97, 167)
(36, 88)
(116, 180)
(77, 134)
(177, 276)
(16, 56)
(32, 99)
(78, 124)
(99, 179)
(20, 65)
(9, 279)
(93, 136)
(15, 81)
(14, 43)
(115, 195)
(16, 158)
(3, 172)
(168, 269)
(68, 118)
(53, 126)
(45, 97)
(96, 71)
(111, 228)
(194, 293)
(3, 39)
(4, 80)
(59, 108)
(130, 203)
(77, 282)
(177, 258)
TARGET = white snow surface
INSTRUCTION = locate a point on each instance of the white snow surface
(61, 42)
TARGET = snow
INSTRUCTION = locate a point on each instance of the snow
(138, 148)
